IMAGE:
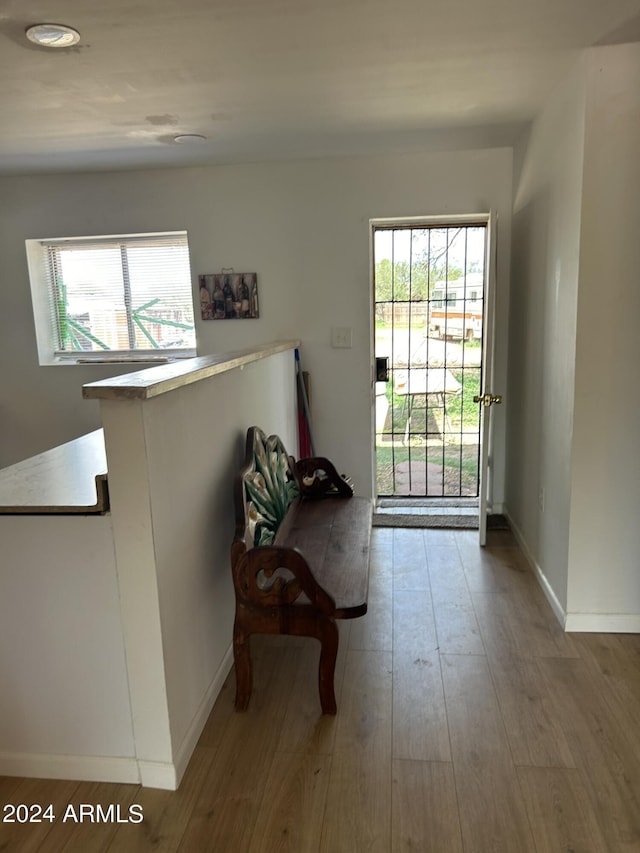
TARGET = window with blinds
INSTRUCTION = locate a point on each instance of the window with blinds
(122, 296)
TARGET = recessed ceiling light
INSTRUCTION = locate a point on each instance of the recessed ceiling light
(189, 138)
(53, 35)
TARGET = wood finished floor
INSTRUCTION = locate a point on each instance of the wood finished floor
(467, 722)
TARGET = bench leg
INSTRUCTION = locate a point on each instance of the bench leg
(242, 659)
(328, 636)
(325, 630)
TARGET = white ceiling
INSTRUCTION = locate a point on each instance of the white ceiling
(273, 79)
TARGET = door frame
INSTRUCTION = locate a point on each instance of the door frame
(487, 378)
(489, 220)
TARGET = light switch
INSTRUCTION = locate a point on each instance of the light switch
(341, 336)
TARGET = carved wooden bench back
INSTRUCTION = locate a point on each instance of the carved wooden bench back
(268, 487)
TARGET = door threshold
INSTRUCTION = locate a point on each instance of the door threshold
(445, 522)
(426, 503)
(441, 513)
(449, 513)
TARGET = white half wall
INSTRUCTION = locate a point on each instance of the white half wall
(65, 707)
(172, 464)
(303, 226)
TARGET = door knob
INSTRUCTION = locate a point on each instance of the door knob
(488, 399)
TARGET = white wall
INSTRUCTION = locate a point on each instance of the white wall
(303, 226)
(65, 700)
(544, 293)
(574, 418)
(172, 466)
(604, 579)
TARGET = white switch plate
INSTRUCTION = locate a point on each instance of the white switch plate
(341, 336)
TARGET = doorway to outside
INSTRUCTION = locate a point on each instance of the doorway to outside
(429, 298)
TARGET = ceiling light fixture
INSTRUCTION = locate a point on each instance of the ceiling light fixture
(53, 35)
(189, 138)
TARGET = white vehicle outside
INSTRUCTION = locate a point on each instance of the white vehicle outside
(455, 308)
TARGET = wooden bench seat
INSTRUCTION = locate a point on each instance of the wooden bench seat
(300, 556)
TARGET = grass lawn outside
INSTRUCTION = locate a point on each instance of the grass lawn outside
(448, 439)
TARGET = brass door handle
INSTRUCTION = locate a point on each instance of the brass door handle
(488, 399)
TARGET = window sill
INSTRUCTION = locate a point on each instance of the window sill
(70, 359)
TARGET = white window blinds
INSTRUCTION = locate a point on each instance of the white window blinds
(121, 295)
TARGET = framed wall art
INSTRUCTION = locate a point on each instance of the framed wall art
(229, 296)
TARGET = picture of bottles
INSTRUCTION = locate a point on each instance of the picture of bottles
(229, 296)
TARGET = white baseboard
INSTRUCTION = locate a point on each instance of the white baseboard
(603, 623)
(158, 774)
(593, 623)
(185, 751)
(550, 595)
(85, 768)
(558, 610)
(91, 768)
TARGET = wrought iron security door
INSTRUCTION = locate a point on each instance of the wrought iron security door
(429, 292)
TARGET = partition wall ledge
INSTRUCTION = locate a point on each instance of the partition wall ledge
(153, 381)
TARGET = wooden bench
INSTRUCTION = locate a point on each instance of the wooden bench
(300, 556)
